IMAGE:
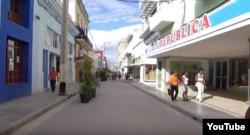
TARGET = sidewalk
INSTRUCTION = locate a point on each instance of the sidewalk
(213, 106)
(18, 112)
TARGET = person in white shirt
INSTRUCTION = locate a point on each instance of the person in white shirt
(200, 84)
(185, 84)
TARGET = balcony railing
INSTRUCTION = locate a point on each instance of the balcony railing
(14, 17)
(148, 6)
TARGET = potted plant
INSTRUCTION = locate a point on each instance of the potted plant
(87, 82)
(103, 74)
(93, 89)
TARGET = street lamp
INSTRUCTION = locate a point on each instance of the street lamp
(64, 49)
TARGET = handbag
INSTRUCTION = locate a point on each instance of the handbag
(170, 91)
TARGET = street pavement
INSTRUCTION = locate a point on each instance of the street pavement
(194, 110)
(17, 113)
(14, 114)
(117, 109)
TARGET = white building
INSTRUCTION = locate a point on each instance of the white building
(134, 60)
(47, 26)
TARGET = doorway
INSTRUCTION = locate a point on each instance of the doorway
(221, 75)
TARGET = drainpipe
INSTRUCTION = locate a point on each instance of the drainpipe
(247, 115)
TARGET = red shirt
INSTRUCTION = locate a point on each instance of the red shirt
(53, 75)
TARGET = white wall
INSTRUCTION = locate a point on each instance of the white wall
(72, 4)
(39, 44)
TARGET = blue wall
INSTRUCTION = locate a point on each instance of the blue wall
(233, 10)
(24, 33)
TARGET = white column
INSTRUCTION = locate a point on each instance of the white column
(142, 68)
(249, 73)
(163, 75)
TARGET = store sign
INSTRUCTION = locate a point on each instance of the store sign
(185, 31)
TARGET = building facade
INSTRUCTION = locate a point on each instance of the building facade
(83, 45)
(16, 48)
(47, 23)
(133, 61)
(202, 34)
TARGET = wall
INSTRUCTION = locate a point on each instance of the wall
(24, 33)
(40, 44)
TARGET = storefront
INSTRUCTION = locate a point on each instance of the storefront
(216, 41)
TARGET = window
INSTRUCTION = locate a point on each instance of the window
(14, 61)
(14, 13)
(70, 48)
(49, 36)
(55, 40)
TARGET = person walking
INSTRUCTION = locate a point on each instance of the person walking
(53, 77)
(80, 75)
(185, 84)
(200, 84)
(174, 82)
(119, 75)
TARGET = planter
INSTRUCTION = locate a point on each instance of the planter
(103, 79)
(93, 92)
(84, 98)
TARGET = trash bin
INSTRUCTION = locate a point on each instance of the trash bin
(62, 88)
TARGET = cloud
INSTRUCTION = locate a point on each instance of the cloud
(107, 11)
(110, 40)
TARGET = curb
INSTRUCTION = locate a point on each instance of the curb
(179, 109)
(25, 120)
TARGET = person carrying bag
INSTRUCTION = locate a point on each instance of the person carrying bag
(174, 84)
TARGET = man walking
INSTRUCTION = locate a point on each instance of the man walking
(53, 76)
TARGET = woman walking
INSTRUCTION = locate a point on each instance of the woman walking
(174, 82)
(200, 84)
(185, 84)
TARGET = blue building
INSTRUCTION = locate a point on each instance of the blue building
(15, 48)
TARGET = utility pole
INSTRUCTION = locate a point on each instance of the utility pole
(64, 49)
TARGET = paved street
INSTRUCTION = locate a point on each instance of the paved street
(117, 109)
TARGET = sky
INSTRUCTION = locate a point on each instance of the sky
(111, 21)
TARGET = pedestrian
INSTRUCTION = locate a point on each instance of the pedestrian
(200, 84)
(126, 76)
(174, 82)
(115, 75)
(119, 75)
(130, 77)
(53, 77)
(80, 75)
(185, 84)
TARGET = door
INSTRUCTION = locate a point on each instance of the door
(45, 68)
(221, 75)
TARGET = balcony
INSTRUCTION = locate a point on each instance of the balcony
(145, 30)
(147, 7)
(83, 39)
(162, 18)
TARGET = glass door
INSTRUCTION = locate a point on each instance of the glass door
(221, 75)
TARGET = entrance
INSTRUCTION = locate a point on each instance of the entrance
(221, 75)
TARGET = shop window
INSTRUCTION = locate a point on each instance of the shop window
(14, 13)
(14, 61)
(242, 72)
(238, 72)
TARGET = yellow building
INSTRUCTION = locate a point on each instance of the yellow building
(80, 18)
